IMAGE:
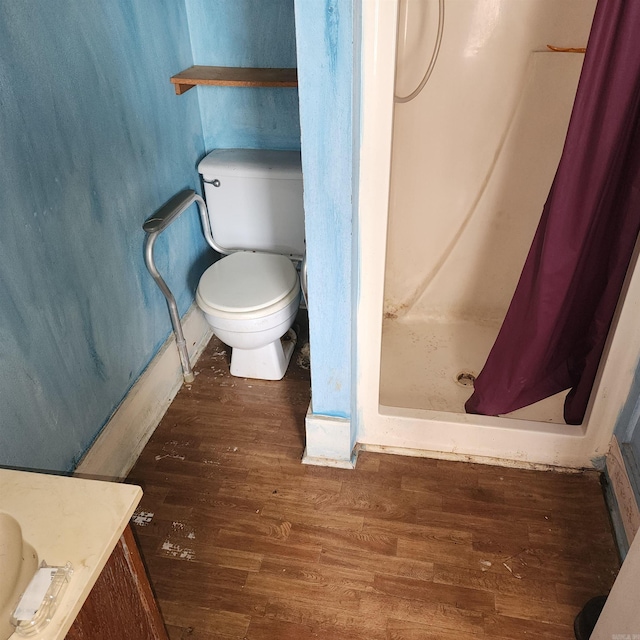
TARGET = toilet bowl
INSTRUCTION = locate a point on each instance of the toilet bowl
(250, 300)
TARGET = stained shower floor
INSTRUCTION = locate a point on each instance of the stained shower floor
(422, 359)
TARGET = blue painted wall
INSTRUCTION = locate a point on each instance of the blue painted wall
(93, 140)
(324, 31)
(246, 33)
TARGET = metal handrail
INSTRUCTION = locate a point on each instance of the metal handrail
(153, 227)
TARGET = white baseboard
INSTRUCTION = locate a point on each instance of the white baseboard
(328, 441)
(121, 441)
(331, 462)
(465, 457)
(623, 491)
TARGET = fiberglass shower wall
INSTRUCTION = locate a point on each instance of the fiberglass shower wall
(473, 158)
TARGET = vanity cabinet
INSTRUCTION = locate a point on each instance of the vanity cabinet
(121, 604)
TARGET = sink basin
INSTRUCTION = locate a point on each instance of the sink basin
(18, 564)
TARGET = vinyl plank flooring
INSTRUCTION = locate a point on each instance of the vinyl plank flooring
(389, 565)
(302, 513)
(185, 618)
(439, 617)
(501, 627)
(345, 539)
(265, 628)
(296, 611)
(530, 609)
(465, 598)
(242, 541)
(495, 582)
(403, 630)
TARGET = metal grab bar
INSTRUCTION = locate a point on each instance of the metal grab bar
(153, 227)
(164, 216)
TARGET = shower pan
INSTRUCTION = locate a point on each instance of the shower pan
(453, 182)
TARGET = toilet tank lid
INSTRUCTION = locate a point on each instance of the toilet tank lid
(251, 163)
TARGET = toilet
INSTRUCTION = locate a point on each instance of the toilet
(251, 296)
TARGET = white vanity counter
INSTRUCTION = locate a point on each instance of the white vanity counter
(68, 520)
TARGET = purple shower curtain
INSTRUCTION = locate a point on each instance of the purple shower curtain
(555, 329)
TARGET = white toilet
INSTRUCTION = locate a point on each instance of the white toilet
(251, 296)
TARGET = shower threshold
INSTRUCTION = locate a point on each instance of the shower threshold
(429, 364)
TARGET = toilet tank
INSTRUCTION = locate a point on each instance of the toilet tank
(254, 199)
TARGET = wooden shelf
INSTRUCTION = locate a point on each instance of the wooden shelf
(234, 77)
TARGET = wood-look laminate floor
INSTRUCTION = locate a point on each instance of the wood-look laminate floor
(243, 541)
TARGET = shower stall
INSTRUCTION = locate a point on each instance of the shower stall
(453, 178)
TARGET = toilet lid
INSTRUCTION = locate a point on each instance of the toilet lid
(247, 281)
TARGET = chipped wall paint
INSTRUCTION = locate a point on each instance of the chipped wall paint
(142, 518)
(179, 542)
(324, 32)
(246, 33)
(626, 425)
(627, 432)
(93, 140)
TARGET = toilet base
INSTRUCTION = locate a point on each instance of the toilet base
(266, 363)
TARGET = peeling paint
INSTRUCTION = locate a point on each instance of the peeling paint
(142, 518)
(177, 551)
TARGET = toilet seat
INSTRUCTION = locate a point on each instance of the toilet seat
(247, 283)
